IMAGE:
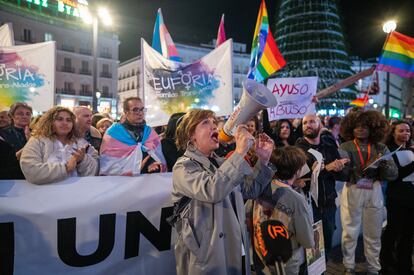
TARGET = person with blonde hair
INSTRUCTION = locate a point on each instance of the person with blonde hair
(208, 193)
(55, 151)
(103, 125)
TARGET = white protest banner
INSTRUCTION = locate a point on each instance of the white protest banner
(293, 95)
(27, 74)
(6, 35)
(170, 87)
(87, 225)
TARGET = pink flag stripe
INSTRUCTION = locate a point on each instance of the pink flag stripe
(117, 149)
(394, 70)
(221, 34)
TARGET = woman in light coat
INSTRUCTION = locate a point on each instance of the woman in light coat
(55, 152)
(211, 230)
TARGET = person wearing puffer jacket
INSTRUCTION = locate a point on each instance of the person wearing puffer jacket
(55, 152)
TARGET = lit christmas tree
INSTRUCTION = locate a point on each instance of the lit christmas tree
(310, 38)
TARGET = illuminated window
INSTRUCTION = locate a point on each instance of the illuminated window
(48, 37)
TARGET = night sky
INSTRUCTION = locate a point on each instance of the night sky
(196, 21)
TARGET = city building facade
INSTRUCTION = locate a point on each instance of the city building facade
(400, 93)
(39, 21)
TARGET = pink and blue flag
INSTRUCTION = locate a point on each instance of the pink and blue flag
(122, 155)
(221, 33)
(162, 41)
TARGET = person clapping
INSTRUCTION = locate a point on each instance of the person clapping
(55, 152)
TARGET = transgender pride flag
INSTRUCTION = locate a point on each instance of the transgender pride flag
(162, 41)
(122, 155)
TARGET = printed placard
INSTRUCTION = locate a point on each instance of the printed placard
(315, 257)
(170, 87)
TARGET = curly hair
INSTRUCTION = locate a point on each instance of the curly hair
(188, 124)
(44, 128)
(390, 137)
(375, 122)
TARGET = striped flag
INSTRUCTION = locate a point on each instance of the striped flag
(398, 55)
(265, 58)
(360, 102)
(221, 34)
(162, 41)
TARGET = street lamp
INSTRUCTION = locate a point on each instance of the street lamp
(388, 27)
(106, 19)
(98, 96)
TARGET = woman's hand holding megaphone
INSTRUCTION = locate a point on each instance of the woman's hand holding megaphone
(243, 139)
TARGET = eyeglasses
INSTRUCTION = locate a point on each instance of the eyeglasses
(136, 110)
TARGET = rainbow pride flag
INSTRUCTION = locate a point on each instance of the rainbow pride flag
(162, 41)
(221, 34)
(265, 58)
(360, 102)
(398, 55)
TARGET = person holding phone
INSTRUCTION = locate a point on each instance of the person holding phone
(55, 152)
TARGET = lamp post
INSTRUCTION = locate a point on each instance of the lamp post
(89, 18)
(388, 27)
(98, 96)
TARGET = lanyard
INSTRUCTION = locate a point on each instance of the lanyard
(361, 158)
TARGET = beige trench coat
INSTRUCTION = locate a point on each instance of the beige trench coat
(210, 233)
(37, 170)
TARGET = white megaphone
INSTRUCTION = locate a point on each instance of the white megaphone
(255, 97)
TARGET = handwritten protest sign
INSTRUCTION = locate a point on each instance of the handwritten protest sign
(294, 97)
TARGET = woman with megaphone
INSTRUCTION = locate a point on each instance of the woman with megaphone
(208, 192)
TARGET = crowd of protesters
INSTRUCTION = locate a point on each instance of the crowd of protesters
(223, 191)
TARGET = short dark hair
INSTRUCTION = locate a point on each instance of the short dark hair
(288, 161)
(390, 137)
(334, 121)
(172, 125)
(126, 102)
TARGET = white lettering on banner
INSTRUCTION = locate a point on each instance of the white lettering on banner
(187, 81)
(16, 74)
(294, 97)
(89, 225)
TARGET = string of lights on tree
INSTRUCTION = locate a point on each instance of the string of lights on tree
(310, 37)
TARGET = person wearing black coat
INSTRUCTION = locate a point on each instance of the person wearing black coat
(334, 169)
(9, 165)
(397, 239)
(169, 148)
